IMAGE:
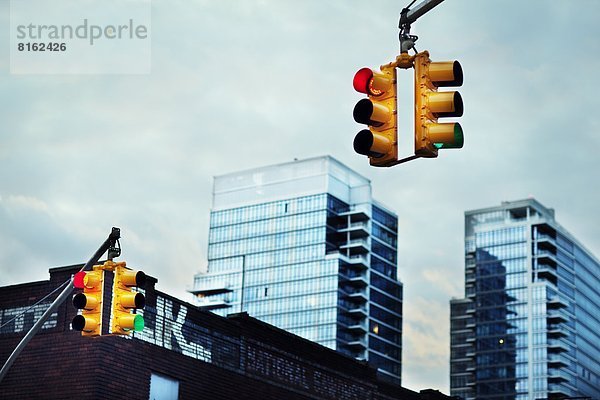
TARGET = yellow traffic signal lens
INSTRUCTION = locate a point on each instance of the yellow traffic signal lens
(445, 104)
(86, 302)
(83, 323)
(366, 112)
(133, 300)
(132, 278)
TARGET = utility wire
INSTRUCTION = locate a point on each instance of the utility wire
(33, 305)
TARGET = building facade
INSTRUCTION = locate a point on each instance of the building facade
(529, 325)
(303, 246)
(182, 353)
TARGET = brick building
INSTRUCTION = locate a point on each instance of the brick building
(182, 353)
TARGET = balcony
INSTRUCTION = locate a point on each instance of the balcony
(545, 230)
(556, 361)
(546, 243)
(352, 310)
(356, 247)
(356, 230)
(557, 347)
(352, 294)
(470, 277)
(558, 376)
(548, 273)
(351, 278)
(556, 317)
(213, 304)
(356, 215)
(556, 303)
(556, 393)
(354, 328)
(356, 344)
(557, 332)
(546, 258)
(211, 289)
(354, 261)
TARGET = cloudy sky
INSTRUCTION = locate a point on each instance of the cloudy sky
(240, 84)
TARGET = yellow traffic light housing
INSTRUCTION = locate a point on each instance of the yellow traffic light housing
(430, 135)
(89, 322)
(126, 301)
(380, 141)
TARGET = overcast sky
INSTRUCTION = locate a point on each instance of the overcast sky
(241, 84)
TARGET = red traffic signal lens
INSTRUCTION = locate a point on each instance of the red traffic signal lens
(362, 80)
(78, 280)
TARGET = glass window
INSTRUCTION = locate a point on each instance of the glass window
(163, 388)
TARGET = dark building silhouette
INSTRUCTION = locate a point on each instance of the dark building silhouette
(183, 353)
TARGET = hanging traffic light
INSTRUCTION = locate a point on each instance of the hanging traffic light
(380, 141)
(126, 301)
(89, 322)
(430, 136)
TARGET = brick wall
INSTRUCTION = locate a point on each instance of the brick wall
(211, 357)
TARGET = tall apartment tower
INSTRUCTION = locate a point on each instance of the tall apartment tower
(303, 246)
(529, 325)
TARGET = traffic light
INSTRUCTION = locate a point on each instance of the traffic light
(89, 322)
(126, 301)
(430, 136)
(380, 141)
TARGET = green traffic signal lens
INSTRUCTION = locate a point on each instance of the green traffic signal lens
(138, 323)
(454, 138)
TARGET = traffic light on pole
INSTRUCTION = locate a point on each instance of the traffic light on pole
(380, 141)
(430, 135)
(126, 301)
(89, 322)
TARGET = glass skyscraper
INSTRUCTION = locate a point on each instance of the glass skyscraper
(303, 246)
(529, 325)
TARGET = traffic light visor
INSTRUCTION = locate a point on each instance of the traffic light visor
(366, 112)
(446, 73)
(133, 278)
(78, 280)
(371, 82)
(131, 322)
(445, 104)
(446, 136)
(369, 144)
(361, 80)
(81, 323)
(133, 300)
(83, 301)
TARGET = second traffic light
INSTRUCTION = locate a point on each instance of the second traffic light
(430, 135)
(89, 322)
(126, 301)
(378, 112)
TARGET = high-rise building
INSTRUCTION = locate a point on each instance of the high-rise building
(529, 325)
(303, 246)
